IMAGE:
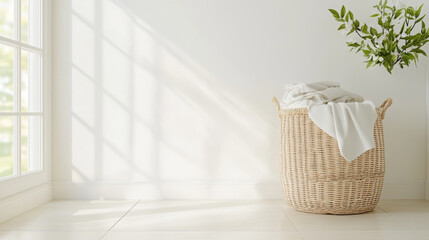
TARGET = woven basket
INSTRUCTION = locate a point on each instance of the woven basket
(316, 178)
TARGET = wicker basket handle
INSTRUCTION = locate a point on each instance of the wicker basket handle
(275, 101)
(384, 106)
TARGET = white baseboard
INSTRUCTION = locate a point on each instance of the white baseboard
(154, 191)
(19, 203)
(427, 190)
(403, 190)
(203, 191)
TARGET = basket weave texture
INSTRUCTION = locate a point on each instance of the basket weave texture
(316, 178)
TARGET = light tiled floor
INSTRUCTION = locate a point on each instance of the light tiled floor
(213, 220)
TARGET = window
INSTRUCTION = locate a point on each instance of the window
(21, 87)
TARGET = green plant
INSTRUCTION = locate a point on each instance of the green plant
(394, 40)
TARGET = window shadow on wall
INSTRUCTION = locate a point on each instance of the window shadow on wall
(143, 113)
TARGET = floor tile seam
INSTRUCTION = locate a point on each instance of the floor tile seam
(129, 210)
(56, 230)
(209, 230)
(382, 209)
(292, 222)
(393, 215)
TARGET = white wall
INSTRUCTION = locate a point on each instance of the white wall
(172, 99)
(427, 133)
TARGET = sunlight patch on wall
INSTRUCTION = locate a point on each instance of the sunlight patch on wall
(115, 125)
(117, 73)
(83, 55)
(115, 164)
(145, 152)
(146, 94)
(117, 29)
(83, 99)
(84, 9)
(145, 111)
(83, 149)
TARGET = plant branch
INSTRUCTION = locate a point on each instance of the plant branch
(397, 60)
(381, 17)
(384, 47)
(356, 30)
(413, 26)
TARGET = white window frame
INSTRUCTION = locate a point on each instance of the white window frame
(23, 181)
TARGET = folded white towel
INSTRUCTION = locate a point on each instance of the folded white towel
(341, 114)
(352, 124)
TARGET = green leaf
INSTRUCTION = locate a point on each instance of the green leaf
(406, 61)
(358, 50)
(418, 50)
(398, 13)
(343, 11)
(351, 31)
(343, 26)
(351, 15)
(356, 23)
(369, 63)
(353, 44)
(407, 57)
(420, 19)
(374, 15)
(366, 52)
(388, 67)
(347, 16)
(418, 11)
(391, 35)
(365, 29)
(423, 28)
(402, 28)
(410, 11)
(417, 56)
(334, 13)
(373, 31)
(380, 22)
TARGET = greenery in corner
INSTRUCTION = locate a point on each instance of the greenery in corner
(396, 39)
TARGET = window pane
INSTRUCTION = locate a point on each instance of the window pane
(30, 82)
(6, 146)
(30, 22)
(6, 78)
(30, 143)
(6, 18)
(24, 144)
(24, 21)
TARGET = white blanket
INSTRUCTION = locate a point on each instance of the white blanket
(301, 95)
(352, 124)
(341, 114)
